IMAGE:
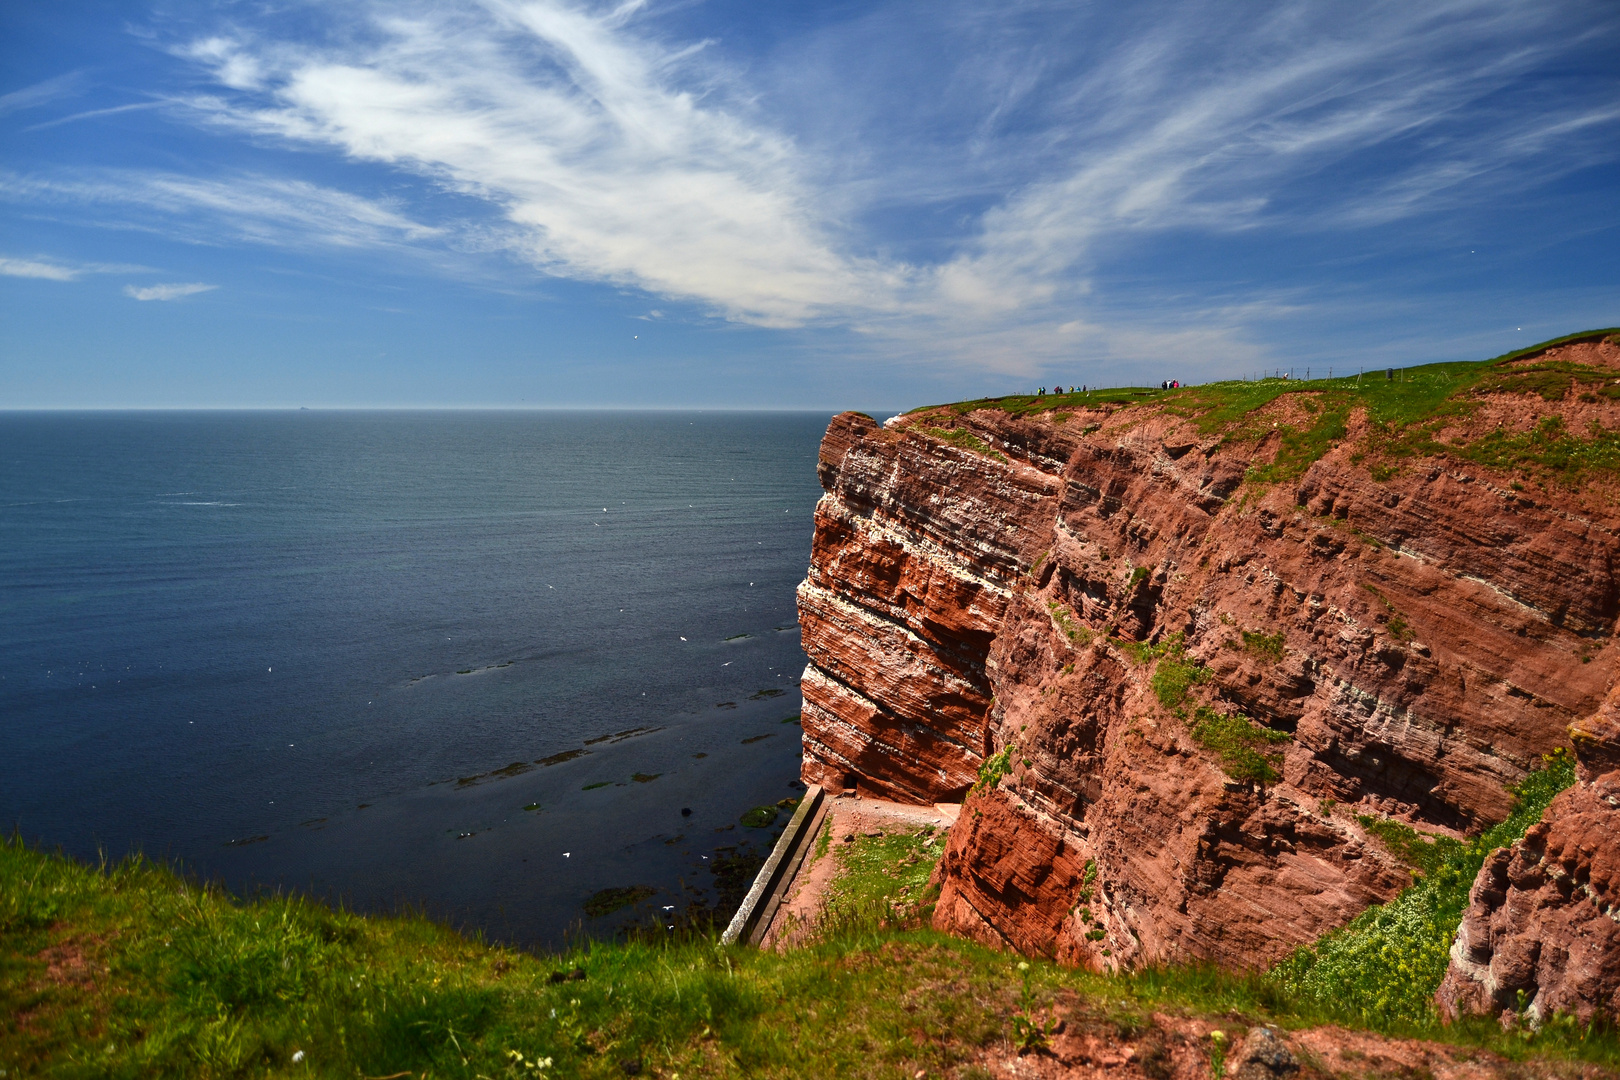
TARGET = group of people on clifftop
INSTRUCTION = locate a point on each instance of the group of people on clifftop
(1168, 384)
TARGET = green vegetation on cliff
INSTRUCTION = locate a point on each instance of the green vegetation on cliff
(1407, 416)
(1383, 969)
(132, 971)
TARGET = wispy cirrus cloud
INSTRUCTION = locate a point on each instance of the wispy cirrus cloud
(41, 93)
(95, 114)
(166, 292)
(953, 180)
(1410, 103)
(35, 268)
(609, 156)
(244, 207)
(57, 270)
(615, 155)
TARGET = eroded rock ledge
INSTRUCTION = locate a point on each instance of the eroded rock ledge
(1423, 637)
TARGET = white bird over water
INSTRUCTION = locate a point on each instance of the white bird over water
(568, 854)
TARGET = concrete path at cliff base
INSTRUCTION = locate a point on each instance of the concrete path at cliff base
(795, 921)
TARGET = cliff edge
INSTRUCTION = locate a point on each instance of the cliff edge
(1201, 660)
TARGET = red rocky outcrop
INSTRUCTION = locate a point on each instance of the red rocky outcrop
(1423, 630)
(1542, 931)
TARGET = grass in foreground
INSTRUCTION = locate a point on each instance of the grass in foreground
(131, 971)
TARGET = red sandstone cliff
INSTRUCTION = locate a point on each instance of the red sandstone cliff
(1421, 627)
(1542, 932)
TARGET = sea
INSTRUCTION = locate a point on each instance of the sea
(525, 672)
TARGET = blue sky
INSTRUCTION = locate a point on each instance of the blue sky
(729, 204)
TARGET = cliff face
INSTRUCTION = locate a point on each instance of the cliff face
(1542, 931)
(1195, 641)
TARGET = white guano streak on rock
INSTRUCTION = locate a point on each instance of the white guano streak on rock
(869, 617)
(838, 687)
(924, 549)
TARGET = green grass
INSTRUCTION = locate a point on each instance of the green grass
(1383, 969)
(1268, 645)
(156, 976)
(1174, 674)
(992, 769)
(1247, 750)
(1406, 414)
(1424, 852)
(1173, 677)
(963, 439)
(1032, 404)
(1078, 633)
(1299, 449)
(881, 880)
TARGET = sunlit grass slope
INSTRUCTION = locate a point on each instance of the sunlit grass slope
(1384, 968)
(1406, 415)
(132, 971)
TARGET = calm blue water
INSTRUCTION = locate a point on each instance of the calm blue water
(269, 644)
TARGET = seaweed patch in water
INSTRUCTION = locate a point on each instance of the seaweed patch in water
(645, 778)
(759, 817)
(756, 738)
(607, 901)
(558, 759)
(733, 872)
(618, 736)
(767, 693)
(517, 768)
(599, 783)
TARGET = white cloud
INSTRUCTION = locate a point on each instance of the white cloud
(616, 157)
(166, 292)
(604, 164)
(39, 93)
(258, 209)
(578, 140)
(57, 270)
(31, 268)
(94, 114)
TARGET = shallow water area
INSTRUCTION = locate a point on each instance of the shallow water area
(222, 627)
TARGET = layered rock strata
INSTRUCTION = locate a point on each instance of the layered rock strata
(1542, 931)
(1418, 629)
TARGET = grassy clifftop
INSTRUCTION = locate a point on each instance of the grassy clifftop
(132, 971)
(1425, 410)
